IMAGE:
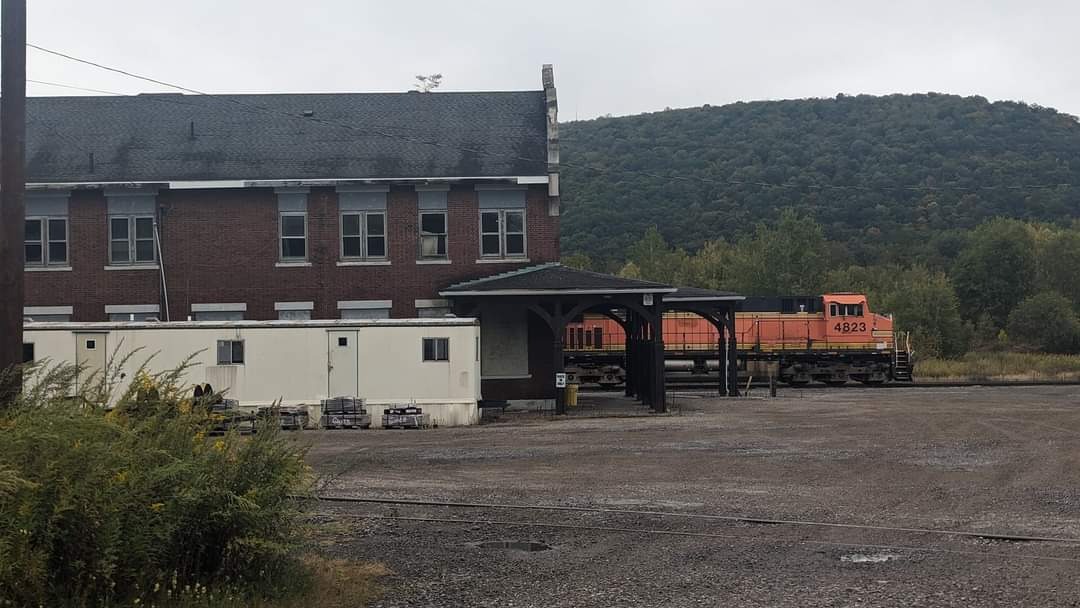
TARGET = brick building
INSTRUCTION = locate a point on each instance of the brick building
(286, 206)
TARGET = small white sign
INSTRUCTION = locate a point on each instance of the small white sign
(560, 380)
(647, 299)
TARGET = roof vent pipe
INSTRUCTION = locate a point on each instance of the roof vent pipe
(192, 134)
(308, 113)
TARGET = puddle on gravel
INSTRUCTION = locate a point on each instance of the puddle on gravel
(513, 545)
(871, 558)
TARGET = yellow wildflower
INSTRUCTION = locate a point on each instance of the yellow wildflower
(157, 506)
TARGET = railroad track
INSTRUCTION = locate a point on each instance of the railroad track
(707, 384)
(914, 535)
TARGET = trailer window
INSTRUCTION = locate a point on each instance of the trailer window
(436, 349)
(230, 352)
(28, 352)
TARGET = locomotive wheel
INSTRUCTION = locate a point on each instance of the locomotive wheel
(872, 382)
(835, 382)
(791, 382)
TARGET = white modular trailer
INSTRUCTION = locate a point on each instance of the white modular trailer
(432, 363)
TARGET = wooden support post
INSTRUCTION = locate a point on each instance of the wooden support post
(558, 328)
(659, 401)
(721, 354)
(628, 355)
(733, 354)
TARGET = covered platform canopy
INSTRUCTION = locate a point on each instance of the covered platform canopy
(558, 295)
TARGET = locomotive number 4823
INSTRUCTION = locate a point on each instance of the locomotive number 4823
(849, 327)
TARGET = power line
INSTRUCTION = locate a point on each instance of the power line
(73, 87)
(593, 168)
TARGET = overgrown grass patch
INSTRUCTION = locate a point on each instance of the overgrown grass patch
(1001, 366)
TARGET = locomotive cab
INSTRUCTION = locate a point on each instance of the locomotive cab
(849, 321)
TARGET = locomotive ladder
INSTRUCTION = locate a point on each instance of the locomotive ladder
(902, 364)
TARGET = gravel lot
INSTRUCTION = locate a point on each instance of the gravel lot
(987, 460)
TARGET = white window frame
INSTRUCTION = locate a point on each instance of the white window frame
(364, 236)
(232, 352)
(286, 311)
(132, 240)
(502, 233)
(445, 234)
(442, 341)
(142, 312)
(380, 305)
(281, 236)
(46, 240)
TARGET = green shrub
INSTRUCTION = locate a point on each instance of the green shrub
(1044, 322)
(101, 507)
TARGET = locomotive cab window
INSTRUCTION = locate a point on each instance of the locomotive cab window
(845, 310)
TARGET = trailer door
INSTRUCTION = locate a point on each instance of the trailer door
(90, 358)
(342, 364)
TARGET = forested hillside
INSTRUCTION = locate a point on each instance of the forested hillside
(896, 179)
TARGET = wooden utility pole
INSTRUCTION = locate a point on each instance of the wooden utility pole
(12, 185)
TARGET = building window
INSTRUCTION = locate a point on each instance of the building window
(436, 349)
(294, 311)
(432, 309)
(138, 312)
(502, 233)
(230, 352)
(48, 314)
(46, 241)
(219, 312)
(365, 309)
(432, 235)
(131, 240)
(293, 237)
(363, 235)
(218, 315)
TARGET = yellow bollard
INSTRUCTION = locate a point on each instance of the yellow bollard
(571, 395)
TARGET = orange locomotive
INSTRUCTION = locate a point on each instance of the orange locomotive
(831, 338)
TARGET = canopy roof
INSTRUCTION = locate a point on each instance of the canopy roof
(553, 278)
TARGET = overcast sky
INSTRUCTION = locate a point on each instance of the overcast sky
(611, 57)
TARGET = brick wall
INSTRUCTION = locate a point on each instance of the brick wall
(221, 246)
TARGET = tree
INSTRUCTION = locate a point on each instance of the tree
(427, 84)
(577, 260)
(655, 260)
(788, 259)
(1059, 265)
(996, 270)
(925, 304)
(630, 271)
(1045, 322)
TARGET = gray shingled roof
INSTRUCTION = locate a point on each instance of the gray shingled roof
(149, 137)
(553, 277)
(697, 294)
